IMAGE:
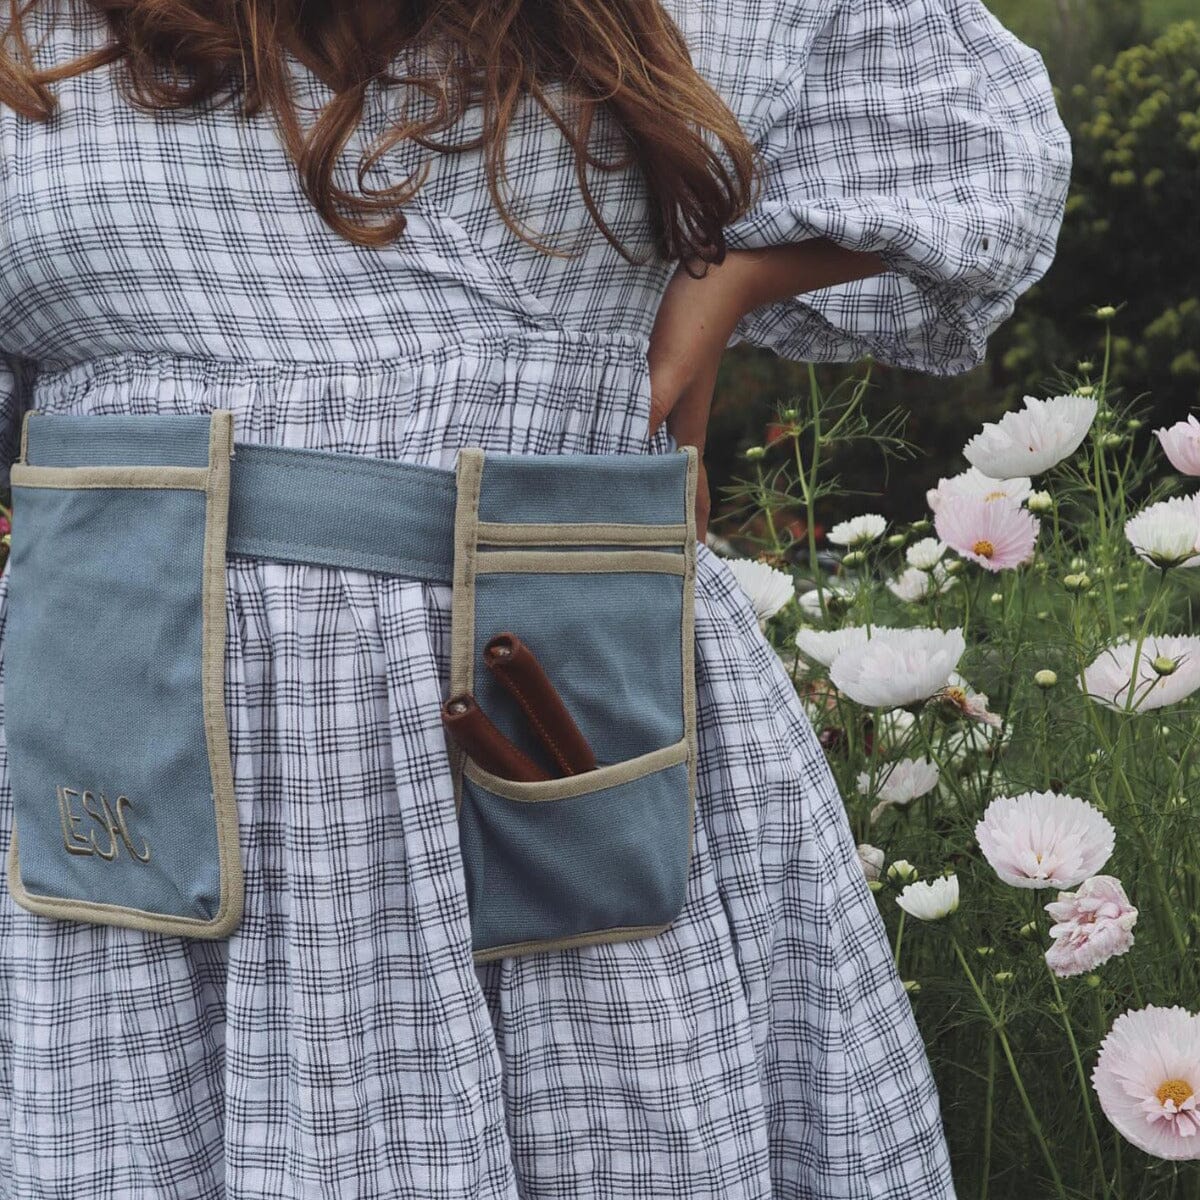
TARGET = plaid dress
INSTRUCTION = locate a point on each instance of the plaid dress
(341, 1043)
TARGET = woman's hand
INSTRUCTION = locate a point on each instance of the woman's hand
(695, 320)
(697, 317)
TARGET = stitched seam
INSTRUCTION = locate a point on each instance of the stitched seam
(542, 731)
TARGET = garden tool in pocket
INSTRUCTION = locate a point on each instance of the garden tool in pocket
(572, 582)
(588, 562)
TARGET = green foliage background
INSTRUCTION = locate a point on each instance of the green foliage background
(1127, 77)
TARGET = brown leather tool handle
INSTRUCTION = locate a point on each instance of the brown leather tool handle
(473, 730)
(517, 668)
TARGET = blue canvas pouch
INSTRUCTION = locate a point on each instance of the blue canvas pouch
(115, 722)
(590, 560)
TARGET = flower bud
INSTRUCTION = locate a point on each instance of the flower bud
(997, 597)
(1043, 615)
(755, 453)
(1029, 929)
(875, 884)
(953, 566)
(1105, 312)
(854, 559)
(1003, 978)
(1040, 502)
(896, 540)
(1178, 800)
(902, 871)
(1045, 678)
(1077, 583)
(1165, 666)
(921, 526)
(789, 414)
(1084, 365)
(1133, 424)
(1093, 980)
(911, 985)
(984, 951)
(1085, 389)
(1110, 441)
(1078, 564)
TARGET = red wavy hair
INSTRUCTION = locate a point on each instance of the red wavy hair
(628, 55)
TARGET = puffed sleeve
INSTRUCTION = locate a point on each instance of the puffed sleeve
(921, 130)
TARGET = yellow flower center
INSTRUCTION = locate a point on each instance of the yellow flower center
(984, 548)
(1174, 1089)
(996, 496)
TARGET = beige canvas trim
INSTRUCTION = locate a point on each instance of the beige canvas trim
(468, 469)
(689, 642)
(489, 562)
(216, 724)
(583, 784)
(571, 533)
(232, 888)
(188, 478)
(23, 456)
(623, 933)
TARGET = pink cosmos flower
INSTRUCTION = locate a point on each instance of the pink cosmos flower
(959, 696)
(996, 534)
(1044, 839)
(1148, 1077)
(1181, 442)
(1092, 925)
(974, 484)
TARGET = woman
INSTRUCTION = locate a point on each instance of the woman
(172, 260)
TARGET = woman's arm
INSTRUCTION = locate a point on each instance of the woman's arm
(697, 317)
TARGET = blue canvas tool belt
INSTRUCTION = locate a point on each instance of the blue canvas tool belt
(115, 723)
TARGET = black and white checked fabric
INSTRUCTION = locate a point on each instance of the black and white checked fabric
(342, 1044)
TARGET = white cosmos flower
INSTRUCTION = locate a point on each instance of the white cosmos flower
(973, 484)
(858, 531)
(1167, 534)
(930, 899)
(824, 645)
(810, 603)
(1044, 839)
(914, 584)
(925, 554)
(895, 667)
(964, 740)
(871, 858)
(1107, 679)
(1032, 439)
(768, 589)
(900, 783)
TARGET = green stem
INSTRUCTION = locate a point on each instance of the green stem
(1030, 1114)
(1081, 1076)
(988, 1105)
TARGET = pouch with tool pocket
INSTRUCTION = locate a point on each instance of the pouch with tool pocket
(590, 561)
(115, 722)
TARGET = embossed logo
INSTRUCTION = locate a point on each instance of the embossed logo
(112, 823)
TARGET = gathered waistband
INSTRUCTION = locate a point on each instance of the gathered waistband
(347, 510)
